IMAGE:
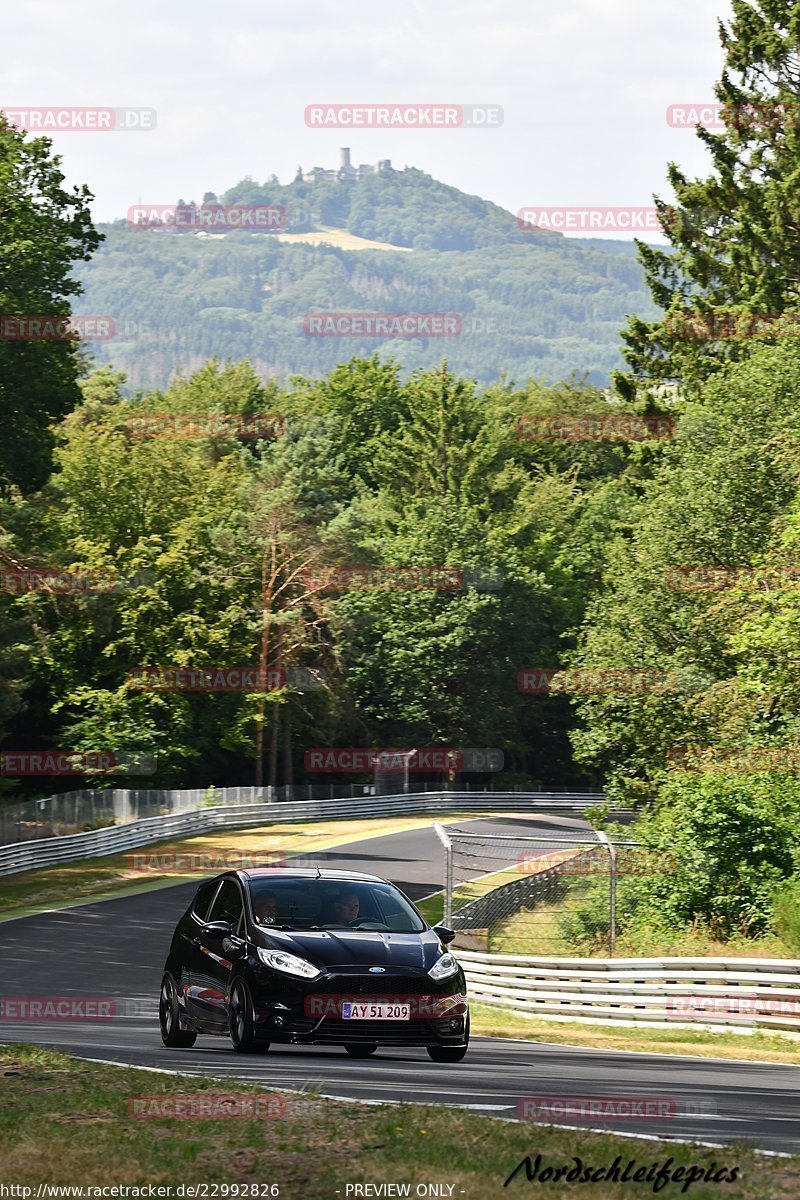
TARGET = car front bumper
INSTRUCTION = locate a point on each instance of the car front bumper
(293, 1011)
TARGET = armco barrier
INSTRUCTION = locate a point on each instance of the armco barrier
(743, 993)
(45, 852)
(674, 993)
(94, 808)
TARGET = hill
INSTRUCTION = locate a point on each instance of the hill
(529, 303)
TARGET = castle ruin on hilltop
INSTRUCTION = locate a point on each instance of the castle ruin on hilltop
(346, 172)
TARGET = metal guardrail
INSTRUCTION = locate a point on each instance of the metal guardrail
(714, 993)
(95, 808)
(97, 843)
(717, 994)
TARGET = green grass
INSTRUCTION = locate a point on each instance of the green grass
(65, 1121)
(540, 931)
(535, 931)
(764, 1046)
(432, 908)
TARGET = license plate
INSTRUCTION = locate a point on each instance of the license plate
(353, 1010)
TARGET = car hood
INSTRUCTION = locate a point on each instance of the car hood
(335, 948)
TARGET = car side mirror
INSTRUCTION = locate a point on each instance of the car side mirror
(222, 927)
(444, 934)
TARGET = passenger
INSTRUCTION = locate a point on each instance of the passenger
(266, 908)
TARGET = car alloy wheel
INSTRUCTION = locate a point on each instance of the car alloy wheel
(241, 1021)
(169, 1018)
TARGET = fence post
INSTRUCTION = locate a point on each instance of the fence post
(612, 884)
(448, 873)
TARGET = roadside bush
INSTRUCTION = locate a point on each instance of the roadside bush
(730, 842)
(787, 913)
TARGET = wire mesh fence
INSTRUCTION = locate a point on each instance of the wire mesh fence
(539, 895)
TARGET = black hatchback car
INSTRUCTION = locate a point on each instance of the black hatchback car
(312, 957)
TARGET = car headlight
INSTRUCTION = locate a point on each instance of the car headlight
(291, 964)
(444, 967)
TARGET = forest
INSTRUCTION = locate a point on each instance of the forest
(529, 302)
(644, 578)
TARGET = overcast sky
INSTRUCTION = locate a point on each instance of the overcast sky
(584, 85)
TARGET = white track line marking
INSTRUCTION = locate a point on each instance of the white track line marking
(642, 1137)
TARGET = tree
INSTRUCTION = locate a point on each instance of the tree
(362, 400)
(45, 229)
(724, 498)
(735, 235)
(435, 666)
(271, 549)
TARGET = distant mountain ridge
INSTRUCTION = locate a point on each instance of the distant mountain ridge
(531, 303)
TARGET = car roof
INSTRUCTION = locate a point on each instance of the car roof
(307, 873)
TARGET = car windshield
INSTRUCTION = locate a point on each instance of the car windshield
(308, 904)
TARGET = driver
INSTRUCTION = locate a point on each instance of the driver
(346, 907)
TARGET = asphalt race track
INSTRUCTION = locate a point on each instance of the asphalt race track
(75, 952)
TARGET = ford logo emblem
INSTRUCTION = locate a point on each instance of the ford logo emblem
(377, 971)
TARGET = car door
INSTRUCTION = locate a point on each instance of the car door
(218, 951)
(188, 962)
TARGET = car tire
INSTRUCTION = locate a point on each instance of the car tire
(449, 1054)
(169, 1018)
(241, 1022)
(361, 1049)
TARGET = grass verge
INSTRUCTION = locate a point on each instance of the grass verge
(68, 1122)
(763, 1046)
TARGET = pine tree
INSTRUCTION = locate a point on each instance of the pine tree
(735, 235)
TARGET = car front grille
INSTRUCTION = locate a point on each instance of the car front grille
(376, 985)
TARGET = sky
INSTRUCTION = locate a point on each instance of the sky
(584, 86)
